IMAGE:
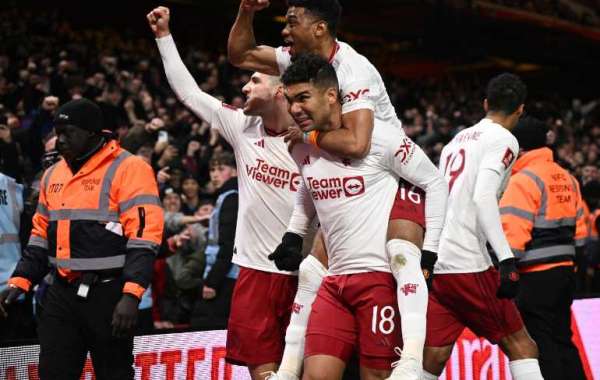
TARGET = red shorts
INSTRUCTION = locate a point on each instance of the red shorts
(409, 204)
(356, 312)
(260, 312)
(460, 300)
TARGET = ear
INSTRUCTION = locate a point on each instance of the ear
(332, 95)
(485, 105)
(320, 29)
(520, 110)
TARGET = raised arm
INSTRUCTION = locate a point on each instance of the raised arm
(241, 45)
(180, 79)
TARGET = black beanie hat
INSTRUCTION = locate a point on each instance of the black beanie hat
(82, 113)
(530, 133)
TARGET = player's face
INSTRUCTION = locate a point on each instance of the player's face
(309, 106)
(299, 31)
(259, 94)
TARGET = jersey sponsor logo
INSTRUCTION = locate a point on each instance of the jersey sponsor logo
(508, 158)
(354, 95)
(409, 289)
(405, 151)
(260, 143)
(336, 187)
(3, 197)
(271, 175)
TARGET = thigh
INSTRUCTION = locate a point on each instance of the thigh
(62, 347)
(331, 329)
(443, 324)
(373, 299)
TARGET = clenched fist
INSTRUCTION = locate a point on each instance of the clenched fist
(254, 5)
(158, 19)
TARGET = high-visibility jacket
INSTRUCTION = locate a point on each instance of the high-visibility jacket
(11, 207)
(542, 212)
(593, 225)
(106, 218)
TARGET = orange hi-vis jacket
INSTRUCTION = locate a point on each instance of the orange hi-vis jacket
(593, 225)
(542, 212)
(106, 218)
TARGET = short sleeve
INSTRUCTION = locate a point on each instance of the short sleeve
(500, 152)
(284, 58)
(358, 86)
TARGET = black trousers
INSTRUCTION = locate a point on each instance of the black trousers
(544, 301)
(214, 313)
(70, 326)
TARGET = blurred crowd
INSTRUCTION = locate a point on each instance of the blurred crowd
(582, 12)
(45, 61)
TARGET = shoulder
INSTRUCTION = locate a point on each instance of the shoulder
(350, 65)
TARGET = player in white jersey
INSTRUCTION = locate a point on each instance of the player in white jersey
(268, 181)
(355, 308)
(311, 27)
(466, 291)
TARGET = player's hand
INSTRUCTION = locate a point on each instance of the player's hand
(509, 279)
(293, 136)
(428, 260)
(288, 254)
(254, 5)
(8, 296)
(208, 293)
(125, 316)
(158, 19)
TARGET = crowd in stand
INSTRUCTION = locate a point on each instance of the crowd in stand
(44, 62)
(583, 12)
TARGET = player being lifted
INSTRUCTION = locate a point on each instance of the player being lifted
(356, 305)
(263, 295)
(311, 27)
(466, 291)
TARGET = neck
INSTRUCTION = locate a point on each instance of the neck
(278, 118)
(326, 48)
(335, 119)
(500, 118)
(95, 145)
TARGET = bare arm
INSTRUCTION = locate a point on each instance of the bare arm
(353, 140)
(241, 45)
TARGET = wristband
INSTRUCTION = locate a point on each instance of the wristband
(311, 138)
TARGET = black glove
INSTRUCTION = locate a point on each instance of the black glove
(125, 315)
(509, 279)
(428, 260)
(288, 254)
(7, 296)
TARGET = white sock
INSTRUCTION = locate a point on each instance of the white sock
(405, 261)
(310, 276)
(525, 369)
(428, 376)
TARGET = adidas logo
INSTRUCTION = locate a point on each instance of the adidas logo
(260, 143)
(306, 160)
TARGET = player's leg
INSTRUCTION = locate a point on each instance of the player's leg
(443, 326)
(499, 321)
(330, 334)
(310, 275)
(372, 298)
(405, 239)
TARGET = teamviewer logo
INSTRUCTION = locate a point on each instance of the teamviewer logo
(354, 186)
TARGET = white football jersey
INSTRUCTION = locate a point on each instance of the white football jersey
(486, 145)
(353, 199)
(360, 84)
(268, 179)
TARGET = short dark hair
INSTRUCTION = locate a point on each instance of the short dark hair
(310, 68)
(329, 11)
(505, 93)
(222, 158)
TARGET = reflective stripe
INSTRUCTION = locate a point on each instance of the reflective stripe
(540, 184)
(9, 238)
(96, 263)
(517, 212)
(140, 243)
(47, 177)
(556, 223)
(84, 214)
(42, 210)
(579, 213)
(548, 252)
(518, 252)
(38, 241)
(108, 179)
(580, 242)
(144, 199)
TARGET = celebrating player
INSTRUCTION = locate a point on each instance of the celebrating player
(466, 292)
(311, 27)
(356, 305)
(267, 184)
